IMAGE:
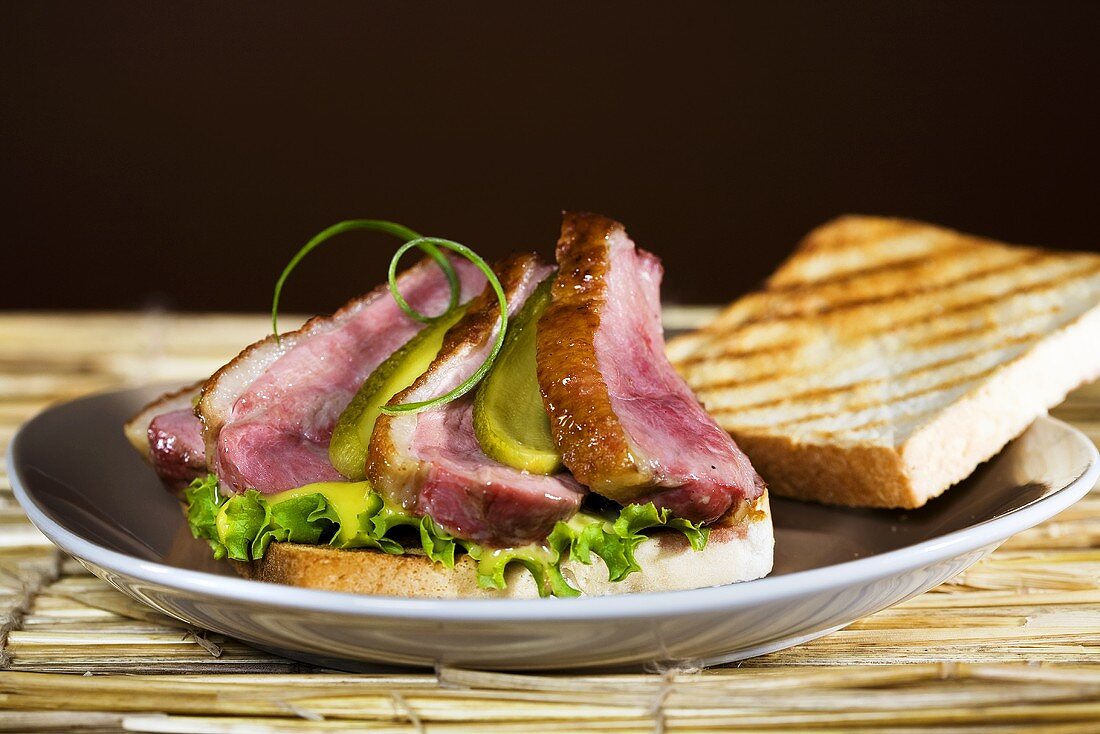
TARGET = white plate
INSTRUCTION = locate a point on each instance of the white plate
(89, 492)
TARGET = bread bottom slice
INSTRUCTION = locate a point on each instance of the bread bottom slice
(739, 549)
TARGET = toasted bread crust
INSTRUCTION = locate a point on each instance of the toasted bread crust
(855, 476)
(887, 358)
(739, 549)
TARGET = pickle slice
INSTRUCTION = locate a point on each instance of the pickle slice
(350, 439)
(509, 418)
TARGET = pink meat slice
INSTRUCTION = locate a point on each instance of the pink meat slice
(476, 498)
(431, 462)
(176, 446)
(169, 436)
(627, 424)
(269, 414)
(697, 469)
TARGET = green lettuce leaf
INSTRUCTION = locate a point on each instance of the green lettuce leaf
(242, 523)
(615, 541)
(696, 534)
(243, 526)
(544, 563)
(438, 543)
(203, 503)
(635, 518)
(304, 519)
(380, 518)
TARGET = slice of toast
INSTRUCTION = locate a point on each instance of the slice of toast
(886, 358)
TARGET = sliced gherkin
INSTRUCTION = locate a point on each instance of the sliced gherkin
(510, 419)
(350, 439)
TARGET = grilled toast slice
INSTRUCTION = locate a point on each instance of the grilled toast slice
(886, 359)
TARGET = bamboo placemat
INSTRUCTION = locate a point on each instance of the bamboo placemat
(1012, 645)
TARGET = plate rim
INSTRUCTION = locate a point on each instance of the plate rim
(592, 608)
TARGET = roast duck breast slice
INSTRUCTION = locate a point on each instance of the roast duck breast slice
(169, 435)
(627, 425)
(430, 462)
(269, 414)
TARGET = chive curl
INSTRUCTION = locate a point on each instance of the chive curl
(470, 382)
(374, 225)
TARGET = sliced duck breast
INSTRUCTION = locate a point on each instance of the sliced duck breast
(628, 426)
(169, 435)
(269, 414)
(431, 463)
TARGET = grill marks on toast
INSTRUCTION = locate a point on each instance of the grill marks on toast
(739, 352)
(738, 342)
(734, 361)
(857, 406)
(1086, 270)
(838, 279)
(932, 342)
(792, 358)
(879, 397)
(854, 243)
(860, 386)
(730, 337)
(973, 330)
(829, 306)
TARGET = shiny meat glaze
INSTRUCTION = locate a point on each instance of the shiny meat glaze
(627, 425)
(176, 447)
(269, 413)
(169, 436)
(431, 462)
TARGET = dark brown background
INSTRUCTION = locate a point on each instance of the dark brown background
(176, 154)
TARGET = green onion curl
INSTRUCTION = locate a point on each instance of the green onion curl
(470, 382)
(375, 225)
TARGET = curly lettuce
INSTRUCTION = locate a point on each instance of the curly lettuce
(352, 515)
